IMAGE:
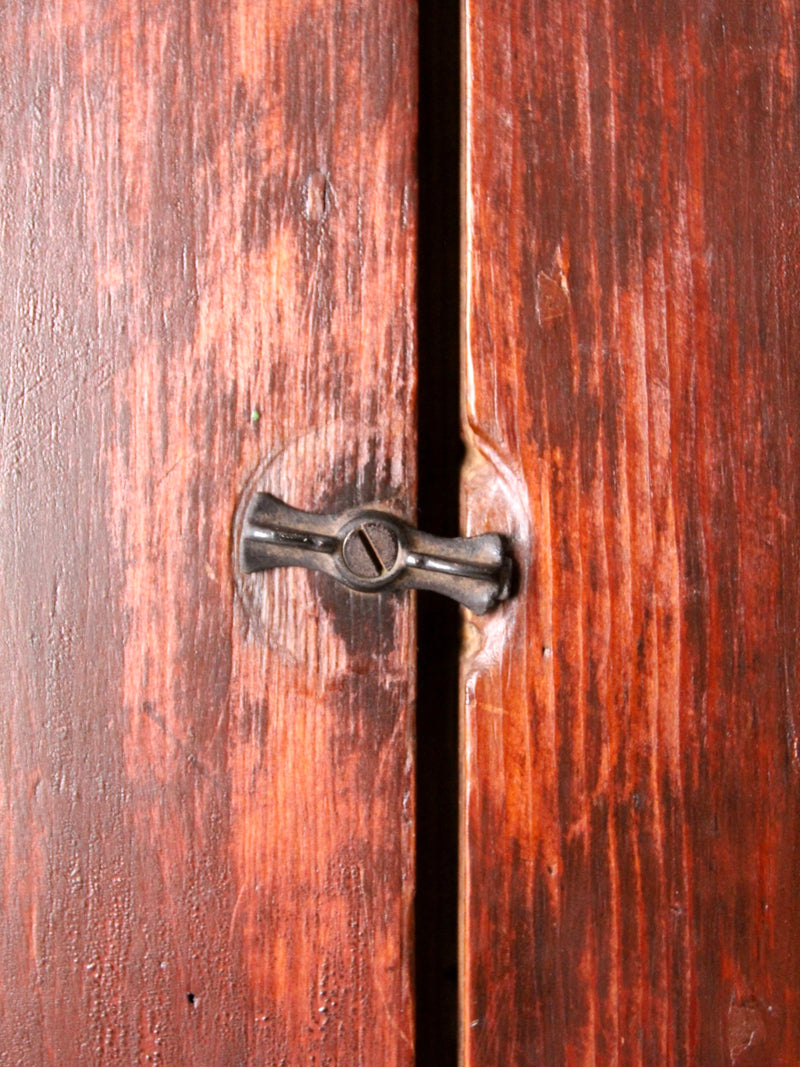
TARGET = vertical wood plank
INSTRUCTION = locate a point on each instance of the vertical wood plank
(207, 219)
(632, 408)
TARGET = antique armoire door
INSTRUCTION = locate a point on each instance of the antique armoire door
(208, 237)
(632, 409)
(207, 233)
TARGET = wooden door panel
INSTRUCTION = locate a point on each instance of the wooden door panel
(632, 793)
(208, 266)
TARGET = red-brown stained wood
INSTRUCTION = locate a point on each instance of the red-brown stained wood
(632, 406)
(207, 265)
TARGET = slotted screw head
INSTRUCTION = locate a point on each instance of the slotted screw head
(370, 550)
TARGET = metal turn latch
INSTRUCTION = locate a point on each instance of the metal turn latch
(371, 550)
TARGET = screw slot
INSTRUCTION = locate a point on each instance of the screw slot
(370, 550)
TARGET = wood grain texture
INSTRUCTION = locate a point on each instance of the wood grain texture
(632, 404)
(207, 238)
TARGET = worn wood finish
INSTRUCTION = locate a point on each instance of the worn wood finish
(206, 806)
(632, 403)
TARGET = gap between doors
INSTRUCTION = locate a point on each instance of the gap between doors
(440, 458)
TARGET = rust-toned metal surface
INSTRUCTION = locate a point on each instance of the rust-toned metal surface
(632, 405)
(207, 239)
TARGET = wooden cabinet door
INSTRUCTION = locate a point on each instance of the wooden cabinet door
(632, 407)
(209, 262)
(207, 232)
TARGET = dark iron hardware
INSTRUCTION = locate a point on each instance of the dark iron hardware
(371, 550)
